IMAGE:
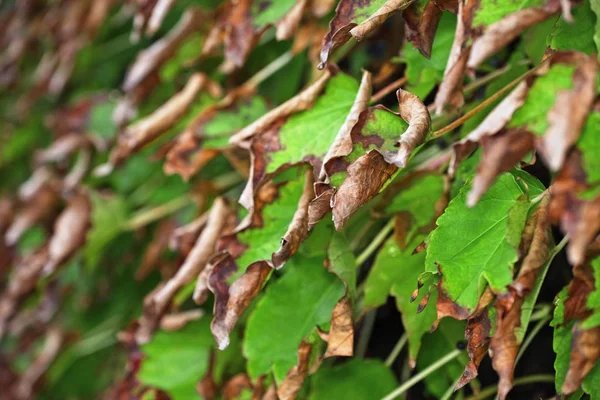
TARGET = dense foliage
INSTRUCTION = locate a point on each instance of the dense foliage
(280, 199)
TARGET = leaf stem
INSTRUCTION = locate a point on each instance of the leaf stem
(490, 391)
(396, 350)
(453, 125)
(451, 390)
(388, 89)
(421, 375)
(144, 217)
(269, 69)
(377, 241)
(536, 329)
(365, 333)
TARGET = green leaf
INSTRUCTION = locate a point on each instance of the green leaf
(108, 216)
(270, 11)
(176, 361)
(101, 122)
(419, 199)
(478, 246)
(591, 383)
(342, 261)
(395, 272)
(422, 73)
(263, 241)
(595, 5)
(561, 342)
(593, 300)
(356, 379)
(277, 325)
(541, 98)
(578, 35)
(490, 11)
(297, 136)
(449, 333)
(589, 145)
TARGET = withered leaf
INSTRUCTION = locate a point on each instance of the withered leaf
(291, 385)
(585, 352)
(477, 334)
(340, 339)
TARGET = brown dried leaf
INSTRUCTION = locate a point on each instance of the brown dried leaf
(174, 322)
(420, 29)
(570, 110)
(70, 230)
(303, 101)
(150, 59)
(342, 27)
(159, 11)
(477, 334)
(287, 26)
(148, 129)
(235, 386)
(291, 385)
(585, 352)
(298, 228)
(40, 207)
(413, 111)
(493, 123)
(156, 302)
(505, 344)
(340, 339)
(498, 35)
(156, 248)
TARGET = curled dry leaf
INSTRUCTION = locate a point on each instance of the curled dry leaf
(184, 237)
(340, 339)
(150, 59)
(24, 388)
(570, 110)
(352, 19)
(298, 228)
(450, 90)
(498, 35)
(234, 387)
(376, 132)
(291, 385)
(578, 217)
(24, 280)
(70, 230)
(174, 322)
(287, 26)
(536, 243)
(157, 301)
(420, 28)
(159, 11)
(41, 206)
(303, 101)
(155, 248)
(492, 124)
(63, 147)
(585, 352)
(477, 334)
(151, 127)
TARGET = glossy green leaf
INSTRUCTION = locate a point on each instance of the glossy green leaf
(490, 11)
(356, 379)
(277, 325)
(342, 261)
(589, 145)
(577, 35)
(478, 246)
(271, 11)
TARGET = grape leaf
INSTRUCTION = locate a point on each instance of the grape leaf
(575, 35)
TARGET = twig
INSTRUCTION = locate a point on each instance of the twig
(453, 125)
(490, 391)
(388, 89)
(396, 350)
(365, 333)
(269, 69)
(145, 217)
(381, 236)
(423, 374)
(536, 329)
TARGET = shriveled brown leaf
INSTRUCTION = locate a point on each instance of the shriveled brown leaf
(298, 229)
(24, 388)
(585, 352)
(493, 123)
(155, 248)
(287, 26)
(159, 11)
(150, 59)
(413, 111)
(157, 301)
(340, 339)
(498, 35)
(450, 90)
(342, 145)
(570, 110)
(63, 147)
(477, 334)
(148, 129)
(234, 387)
(505, 344)
(291, 385)
(578, 217)
(421, 28)
(184, 237)
(342, 27)
(174, 322)
(303, 101)
(501, 152)
(70, 231)
(42, 205)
